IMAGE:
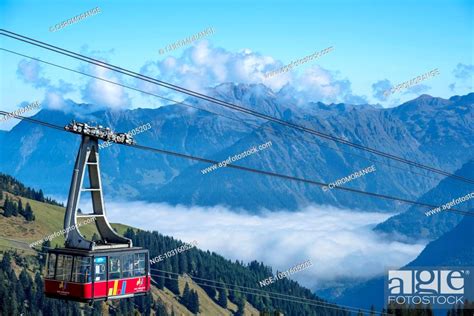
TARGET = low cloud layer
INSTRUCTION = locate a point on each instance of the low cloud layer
(340, 243)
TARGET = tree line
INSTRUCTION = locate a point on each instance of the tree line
(221, 274)
(15, 187)
(11, 208)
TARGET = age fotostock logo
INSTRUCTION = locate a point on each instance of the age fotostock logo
(420, 286)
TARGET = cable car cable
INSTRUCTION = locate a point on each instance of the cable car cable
(272, 130)
(282, 176)
(274, 295)
(251, 288)
(269, 294)
(223, 103)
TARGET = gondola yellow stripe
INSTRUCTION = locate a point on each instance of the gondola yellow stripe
(115, 287)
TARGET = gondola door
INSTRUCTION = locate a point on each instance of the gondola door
(100, 277)
(115, 284)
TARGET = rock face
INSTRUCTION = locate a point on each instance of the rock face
(415, 224)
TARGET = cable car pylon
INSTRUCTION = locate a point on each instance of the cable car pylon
(88, 157)
(107, 268)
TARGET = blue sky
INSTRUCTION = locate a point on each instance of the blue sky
(377, 44)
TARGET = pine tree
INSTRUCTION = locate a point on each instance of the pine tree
(26, 282)
(29, 216)
(186, 296)
(172, 284)
(7, 208)
(183, 263)
(6, 263)
(3, 294)
(143, 304)
(45, 246)
(13, 309)
(232, 296)
(240, 306)
(1, 194)
(160, 280)
(21, 210)
(160, 310)
(41, 196)
(14, 209)
(222, 298)
(193, 302)
(210, 290)
(20, 297)
(38, 300)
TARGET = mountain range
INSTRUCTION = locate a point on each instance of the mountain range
(432, 131)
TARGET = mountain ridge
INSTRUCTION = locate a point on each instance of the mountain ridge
(204, 134)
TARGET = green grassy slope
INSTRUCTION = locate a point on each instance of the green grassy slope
(49, 219)
(16, 234)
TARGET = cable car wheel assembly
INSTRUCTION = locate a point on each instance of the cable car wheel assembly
(110, 267)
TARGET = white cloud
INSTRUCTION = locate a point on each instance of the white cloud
(99, 93)
(202, 66)
(198, 68)
(379, 87)
(340, 243)
(104, 94)
(463, 74)
(30, 71)
(54, 100)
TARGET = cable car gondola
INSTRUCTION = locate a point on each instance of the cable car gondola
(85, 270)
(87, 276)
